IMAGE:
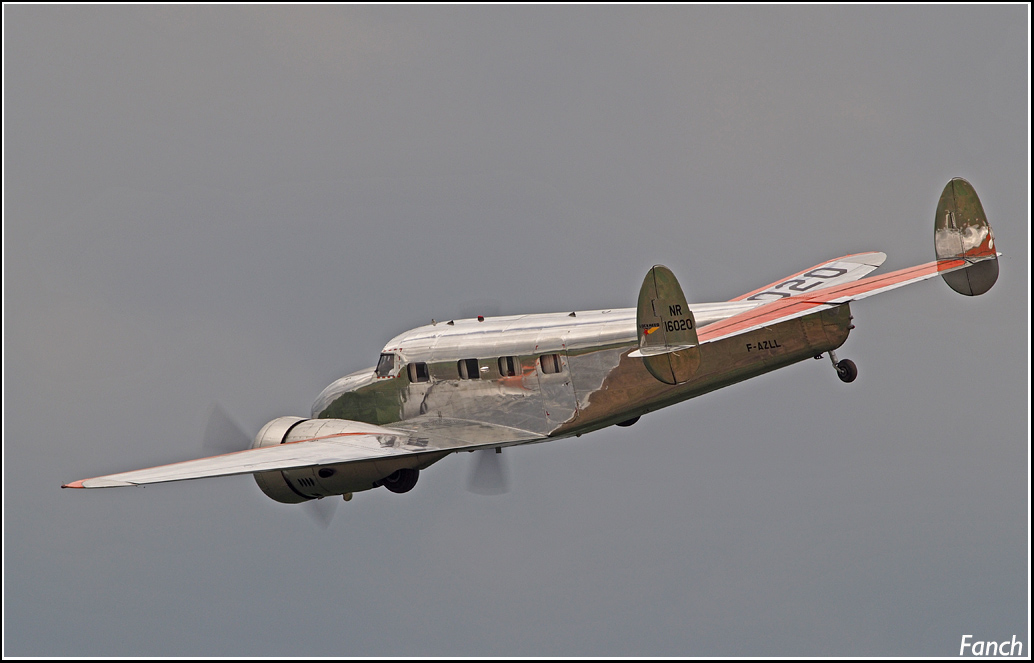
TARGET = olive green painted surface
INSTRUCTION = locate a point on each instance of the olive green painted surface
(664, 320)
(961, 230)
(379, 403)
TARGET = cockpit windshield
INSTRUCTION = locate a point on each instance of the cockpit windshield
(385, 365)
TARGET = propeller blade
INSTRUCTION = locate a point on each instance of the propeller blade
(322, 511)
(223, 434)
(489, 476)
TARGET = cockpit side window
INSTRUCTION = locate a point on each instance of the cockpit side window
(386, 365)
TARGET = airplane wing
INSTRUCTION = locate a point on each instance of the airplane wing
(788, 307)
(845, 269)
(329, 442)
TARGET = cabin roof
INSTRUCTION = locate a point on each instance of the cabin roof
(472, 328)
(518, 334)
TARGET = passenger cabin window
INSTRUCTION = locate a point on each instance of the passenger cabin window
(386, 365)
(550, 364)
(418, 372)
(508, 366)
(468, 369)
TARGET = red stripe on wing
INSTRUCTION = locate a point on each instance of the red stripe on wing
(800, 305)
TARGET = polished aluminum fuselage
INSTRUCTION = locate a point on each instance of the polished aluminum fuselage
(598, 383)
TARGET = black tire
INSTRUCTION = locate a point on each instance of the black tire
(401, 481)
(629, 422)
(846, 370)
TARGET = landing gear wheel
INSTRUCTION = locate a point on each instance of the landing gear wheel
(846, 370)
(401, 481)
(629, 422)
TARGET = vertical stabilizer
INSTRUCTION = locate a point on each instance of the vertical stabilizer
(666, 328)
(961, 231)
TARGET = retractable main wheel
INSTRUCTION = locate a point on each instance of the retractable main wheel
(401, 481)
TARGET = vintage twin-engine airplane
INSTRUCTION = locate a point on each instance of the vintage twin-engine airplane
(484, 384)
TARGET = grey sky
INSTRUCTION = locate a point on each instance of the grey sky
(243, 204)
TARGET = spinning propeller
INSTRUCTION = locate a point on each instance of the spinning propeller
(488, 475)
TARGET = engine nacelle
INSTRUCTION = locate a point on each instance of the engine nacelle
(307, 483)
(275, 484)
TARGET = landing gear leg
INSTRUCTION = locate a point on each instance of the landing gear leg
(845, 368)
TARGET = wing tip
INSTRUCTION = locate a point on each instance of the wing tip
(98, 482)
